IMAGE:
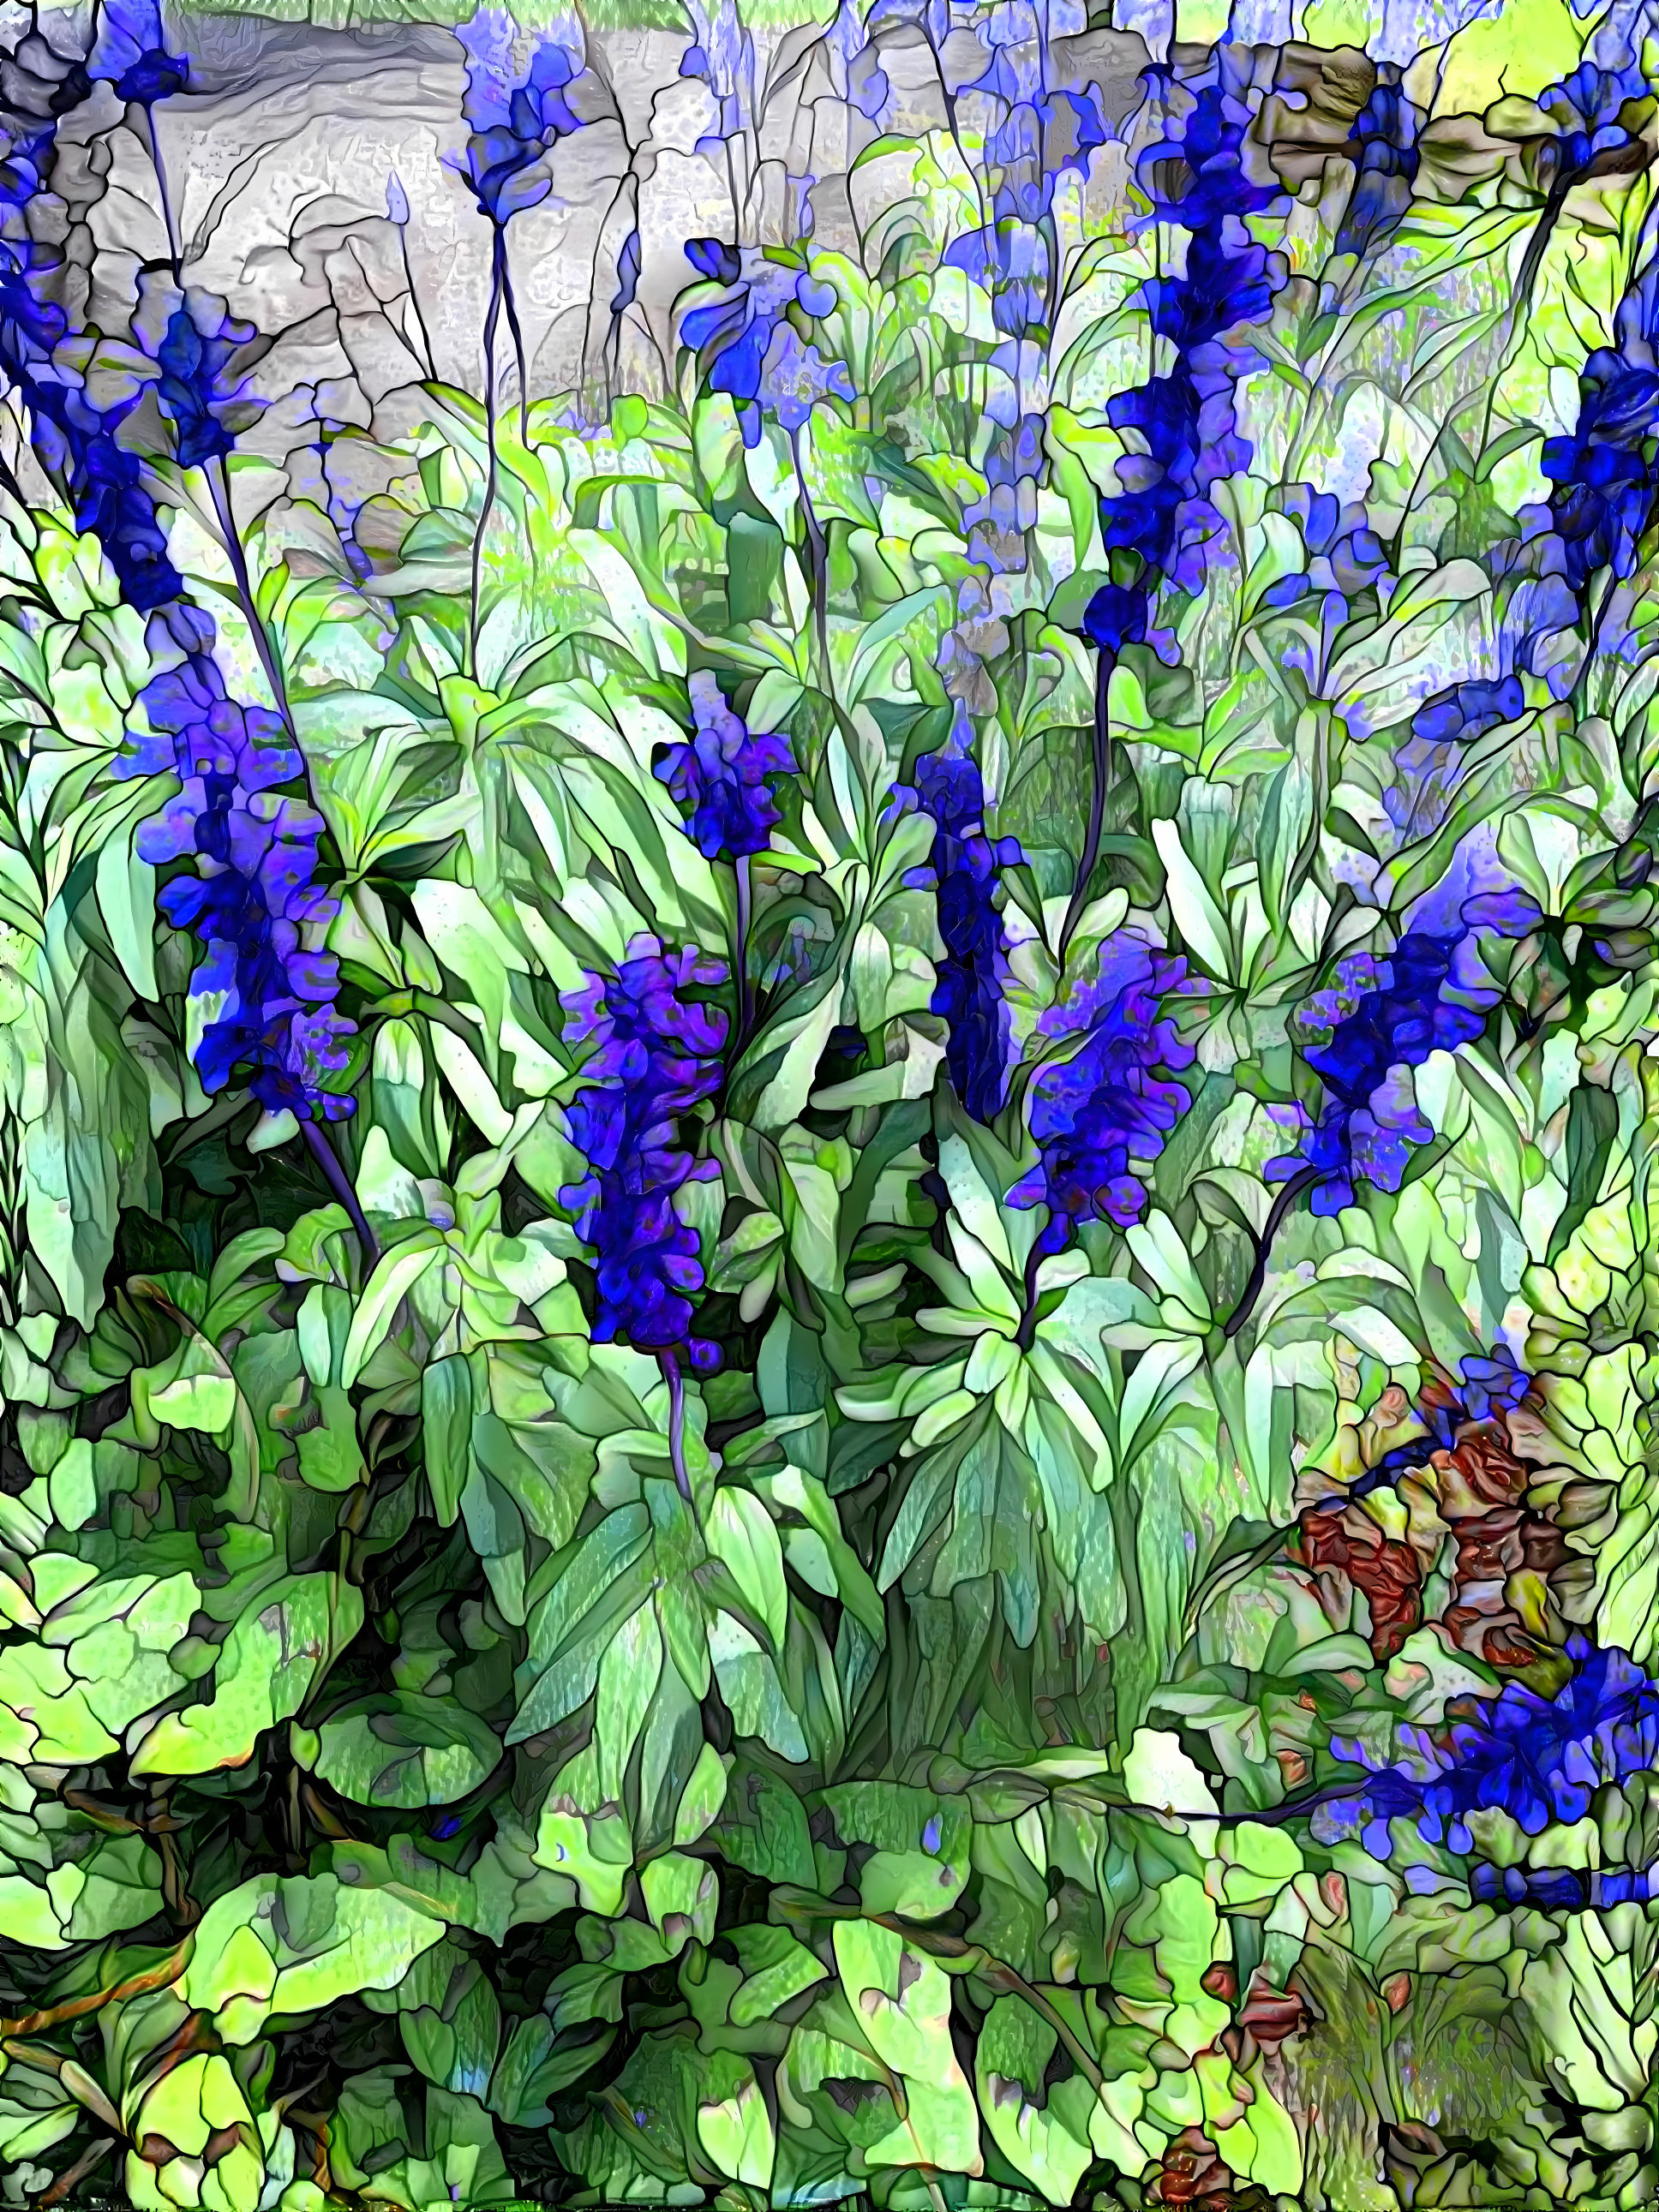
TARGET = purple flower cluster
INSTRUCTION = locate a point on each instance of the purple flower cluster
(1015, 465)
(1606, 474)
(724, 777)
(1536, 639)
(1384, 134)
(1560, 1889)
(76, 440)
(656, 1056)
(793, 380)
(1431, 995)
(1100, 1114)
(1596, 112)
(1038, 134)
(198, 389)
(1486, 1388)
(131, 52)
(1537, 1758)
(748, 346)
(854, 61)
(1185, 422)
(253, 896)
(965, 871)
(1344, 552)
(514, 121)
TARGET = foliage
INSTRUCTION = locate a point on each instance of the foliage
(827, 1319)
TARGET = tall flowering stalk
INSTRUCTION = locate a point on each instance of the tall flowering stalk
(1385, 1020)
(1596, 126)
(965, 871)
(1039, 134)
(722, 54)
(748, 338)
(1432, 995)
(1103, 1113)
(724, 776)
(131, 54)
(515, 122)
(75, 437)
(197, 346)
(1603, 474)
(253, 900)
(657, 1055)
(1164, 524)
(1383, 137)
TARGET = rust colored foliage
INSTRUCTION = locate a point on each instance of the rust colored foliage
(1386, 1571)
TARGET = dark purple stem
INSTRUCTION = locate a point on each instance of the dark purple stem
(1105, 661)
(1303, 1179)
(340, 1183)
(174, 253)
(1034, 1259)
(669, 1366)
(219, 483)
(492, 320)
(745, 988)
(512, 307)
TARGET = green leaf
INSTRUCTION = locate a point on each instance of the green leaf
(446, 1433)
(331, 1458)
(776, 1969)
(902, 1998)
(297, 1944)
(591, 1591)
(734, 2124)
(540, 2064)
(920, 1864)
(1044, 2135)
(583, 1834)
(763, 1828)
(393, 1748)
(741, 1534)
(265, 1669)
(1592, 1127)
(1202, 925)
(397, 1274)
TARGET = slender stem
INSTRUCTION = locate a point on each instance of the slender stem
(820, 552)
(670, 1365)
(340, 1183)
(174, 253)
(414, 302)
(218, 485)
(1604, 600)
(745, 986)
(1303, 1179)
(512, 306)
(1034, 1259)
(492, 319)
(8, 483)
(1105, 661)
(72, 2176)
(1555, 200)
